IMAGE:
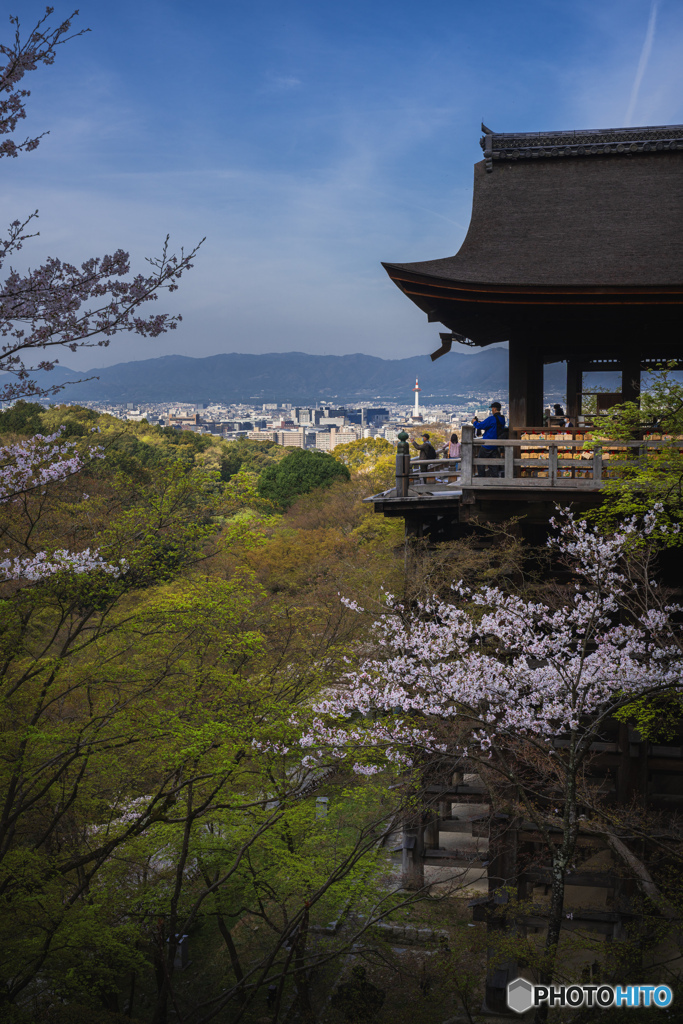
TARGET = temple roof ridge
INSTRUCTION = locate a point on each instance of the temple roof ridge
(581, 142)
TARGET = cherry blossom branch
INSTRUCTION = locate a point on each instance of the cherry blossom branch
(37, 462)
(61, 304)
(39, 48)
(42, 566)
(31, 465)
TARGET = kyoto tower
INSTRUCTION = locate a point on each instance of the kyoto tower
(416, 417)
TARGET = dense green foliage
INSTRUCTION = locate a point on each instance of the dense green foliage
(151, 779)
(652, 475)
(150, 776)
(298, 473)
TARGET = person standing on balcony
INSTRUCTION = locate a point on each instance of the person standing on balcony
(450, 450)
(426, 450)
(492, 428)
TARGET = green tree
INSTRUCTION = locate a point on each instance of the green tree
(298, 473)
(22, 418)
(364, 454)
(248, 455)
(651, 475)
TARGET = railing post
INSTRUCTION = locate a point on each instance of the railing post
(466, 454)
(597, 465)
(509, 453)
(552, 464)
(402, 466)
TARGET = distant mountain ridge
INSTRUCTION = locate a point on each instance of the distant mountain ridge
(288, 377)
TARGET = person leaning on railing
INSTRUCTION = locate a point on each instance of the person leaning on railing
(451, 450)
(492, 428)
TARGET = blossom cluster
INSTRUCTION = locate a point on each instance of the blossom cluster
(41, 566)
(509, 666)
(39, 48)
(36, 462)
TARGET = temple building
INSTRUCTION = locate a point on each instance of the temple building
(574, 253)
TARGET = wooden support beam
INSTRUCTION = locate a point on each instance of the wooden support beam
(412, 854)
(431, 830)
(463, 858)
(574, 388)
(630, 378)
(502, 872)
(526, 385)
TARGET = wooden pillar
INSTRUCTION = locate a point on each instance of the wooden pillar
(402, 466)
(431, 832)
(467, 454)
(526, 385)
(630, 379)
(502, 872)
(574, 388)
(413, 527)
(412, 859)
(445, 810)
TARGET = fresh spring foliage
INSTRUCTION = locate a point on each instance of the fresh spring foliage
(653, 474)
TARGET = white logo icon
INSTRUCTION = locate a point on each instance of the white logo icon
(520, 995)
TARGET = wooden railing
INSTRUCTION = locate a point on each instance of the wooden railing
(576, 463)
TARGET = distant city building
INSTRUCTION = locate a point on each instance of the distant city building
(368, 416)
(304, 415)
(262, 435)
(183, 419)
(292, 438)
(328, 440)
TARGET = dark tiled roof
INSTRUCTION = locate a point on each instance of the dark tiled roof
(577, 222)
(589, 142)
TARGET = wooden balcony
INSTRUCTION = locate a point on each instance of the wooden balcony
(540, 468)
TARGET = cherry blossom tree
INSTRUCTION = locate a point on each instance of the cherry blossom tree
(58, 303)
(514, 689)
(30, 466)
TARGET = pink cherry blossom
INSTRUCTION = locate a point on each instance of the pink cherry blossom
(509, 667)
(35, 464)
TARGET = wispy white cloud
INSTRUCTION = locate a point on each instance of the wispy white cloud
(281, 83)
(598, 84)
(642, 63)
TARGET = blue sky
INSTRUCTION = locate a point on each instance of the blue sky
(309, 141)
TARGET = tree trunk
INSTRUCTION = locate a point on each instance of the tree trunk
(303, 1001)
(232, 953)
(559, 859)
(160, 1015)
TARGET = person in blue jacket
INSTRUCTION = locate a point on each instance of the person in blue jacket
(491, 428)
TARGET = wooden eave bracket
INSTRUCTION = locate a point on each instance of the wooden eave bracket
(447, 341)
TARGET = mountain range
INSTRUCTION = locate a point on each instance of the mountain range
(294, 377)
